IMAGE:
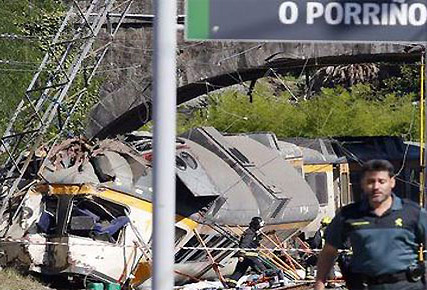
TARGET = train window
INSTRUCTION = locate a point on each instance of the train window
(48, 220)
(180, 164)
(179, 235)
(355, 178)
(199, 254)
(191, 162)
(210, 242)
(224, 243)
(184, 254)
(192, 255)
(318, 183)
(98, 219)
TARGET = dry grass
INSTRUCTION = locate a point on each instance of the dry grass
(10, 279)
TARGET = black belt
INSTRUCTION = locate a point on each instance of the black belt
(380, 279)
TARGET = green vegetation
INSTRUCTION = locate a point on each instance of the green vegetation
(10, 279)
(27, 27)
(19, 57)
(360, 110)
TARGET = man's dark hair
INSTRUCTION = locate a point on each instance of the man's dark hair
(378, 165)
(255, 223)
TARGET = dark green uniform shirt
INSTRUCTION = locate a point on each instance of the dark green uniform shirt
(381, 245)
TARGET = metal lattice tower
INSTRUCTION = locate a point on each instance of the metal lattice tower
(52, 92)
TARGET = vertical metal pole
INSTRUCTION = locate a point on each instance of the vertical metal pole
(422, 134)
(164, 93)
(423, 199)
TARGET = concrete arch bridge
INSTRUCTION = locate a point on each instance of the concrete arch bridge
(205, 67)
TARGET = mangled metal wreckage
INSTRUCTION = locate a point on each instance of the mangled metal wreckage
(90, 214)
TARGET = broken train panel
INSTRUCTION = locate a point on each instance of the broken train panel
(79, 231)
(90, 215)
(274, 189)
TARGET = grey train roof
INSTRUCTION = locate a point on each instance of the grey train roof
(289, 150)
(220, 179)
(268, 139)
(323, 150)
(274, 189)
(375, 147)
(311, 156)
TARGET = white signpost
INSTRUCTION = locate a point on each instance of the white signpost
(164, 96)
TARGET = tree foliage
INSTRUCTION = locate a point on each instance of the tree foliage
(25, 26)
(34, 23)
(360, 110)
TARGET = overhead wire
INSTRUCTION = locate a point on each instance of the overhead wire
(88, 67)
(14, 36)
(240, 53)
(238, 79)
(119, 69)
(286, 86)
(180, 46)
(361, 162)
(18, 70)
(405, 154)
(11, 62)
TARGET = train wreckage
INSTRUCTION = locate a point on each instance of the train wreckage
(89, 215)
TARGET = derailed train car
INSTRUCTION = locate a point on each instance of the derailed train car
(327, 174)
(90, 215)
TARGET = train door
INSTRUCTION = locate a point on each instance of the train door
(320, 179)
(344, 185)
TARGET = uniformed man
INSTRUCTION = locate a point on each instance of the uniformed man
(250, 239)
(385, 233)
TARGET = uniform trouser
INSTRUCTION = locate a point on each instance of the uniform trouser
(401, 285)
(241, 267)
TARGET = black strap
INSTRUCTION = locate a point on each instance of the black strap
(380, 279)
(388, 278)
